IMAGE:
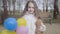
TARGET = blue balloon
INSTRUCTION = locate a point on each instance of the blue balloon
(10, 24)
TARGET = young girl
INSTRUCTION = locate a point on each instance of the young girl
(31, 15)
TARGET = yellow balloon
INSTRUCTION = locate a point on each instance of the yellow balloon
(8, 32)
(21, 22)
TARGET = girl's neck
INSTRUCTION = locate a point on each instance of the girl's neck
(29, 13)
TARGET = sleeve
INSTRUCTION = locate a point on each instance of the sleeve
(42, 27)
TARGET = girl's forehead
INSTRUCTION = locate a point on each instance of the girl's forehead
(30, 3)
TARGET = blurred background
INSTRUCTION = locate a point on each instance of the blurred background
(49, 12)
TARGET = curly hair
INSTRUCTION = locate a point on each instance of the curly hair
(36, 11)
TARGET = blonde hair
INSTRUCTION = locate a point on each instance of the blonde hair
(35, 9)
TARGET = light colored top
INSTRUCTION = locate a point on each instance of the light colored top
(31, 20)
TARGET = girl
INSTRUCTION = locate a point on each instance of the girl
(31, 15)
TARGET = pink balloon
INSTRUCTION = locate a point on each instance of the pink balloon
(22, 30)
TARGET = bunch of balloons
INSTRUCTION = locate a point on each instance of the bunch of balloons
(21, 29)
(11, 24)
(8, 32)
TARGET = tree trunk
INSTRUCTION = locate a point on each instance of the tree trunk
(5, 13)
(43, 6)
(9, 8)
(13, 6)
(56, 12)
(46, 5)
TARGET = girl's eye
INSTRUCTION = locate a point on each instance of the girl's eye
(32, 7)
(29, 7)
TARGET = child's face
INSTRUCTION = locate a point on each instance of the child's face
(31, 7)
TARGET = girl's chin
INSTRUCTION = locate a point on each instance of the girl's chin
(31, 12)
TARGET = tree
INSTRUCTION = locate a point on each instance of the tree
(5, 13)
(56, 11)
(9, 4)
(19, 4)
(43, 6)
(13, 2)
(46, 5)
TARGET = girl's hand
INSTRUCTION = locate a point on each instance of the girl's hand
(42, 28)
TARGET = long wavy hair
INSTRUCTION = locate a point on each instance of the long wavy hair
(36, 11)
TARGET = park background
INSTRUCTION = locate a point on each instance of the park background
(49, 12)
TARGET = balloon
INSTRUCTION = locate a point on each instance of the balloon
(8, 32)
(22, 30)
(10, 24)
(21, 22)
